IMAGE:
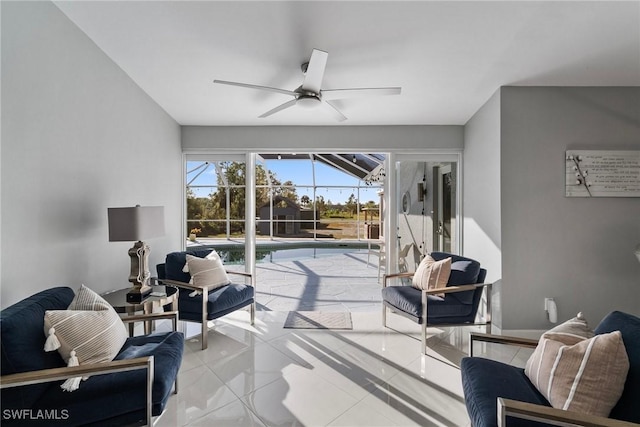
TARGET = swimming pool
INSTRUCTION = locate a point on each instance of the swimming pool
(298, 253)
(287, 252)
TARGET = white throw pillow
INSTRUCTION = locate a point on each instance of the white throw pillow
(432, 274)
(89, 331)
(211, 255)
(207, 271)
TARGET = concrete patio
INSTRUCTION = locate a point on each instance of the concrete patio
(326, 282)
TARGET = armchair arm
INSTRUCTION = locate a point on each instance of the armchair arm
(193, 287)
(533, 412)
(179, 284)
(500, 339)
(456, 288)
(503, 339)
(240, 273)
(395, 276)
(55, 374)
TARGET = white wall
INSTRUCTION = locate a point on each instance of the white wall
(415, 227)
(78, 136)
(577, 250)
(481, 196)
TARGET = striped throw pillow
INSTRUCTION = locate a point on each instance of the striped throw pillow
(207, 271)
(579, 374)
(432, 274)
(89, 331)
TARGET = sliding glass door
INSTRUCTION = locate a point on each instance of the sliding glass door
(416, 199)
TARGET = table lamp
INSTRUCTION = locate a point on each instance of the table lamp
(136, 224)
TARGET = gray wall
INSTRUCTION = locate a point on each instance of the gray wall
(481, 206)
(576, 250)
(78, 136)
(313, 138)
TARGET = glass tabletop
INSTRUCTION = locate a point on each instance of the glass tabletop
(160, 295)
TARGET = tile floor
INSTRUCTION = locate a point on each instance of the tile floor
(265, 375)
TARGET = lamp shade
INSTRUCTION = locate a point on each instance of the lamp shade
(135, 223)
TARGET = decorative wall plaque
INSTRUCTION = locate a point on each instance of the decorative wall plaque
(600, 173)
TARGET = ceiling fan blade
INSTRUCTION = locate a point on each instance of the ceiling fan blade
(331, 109)
(315, 71)
(359, 92)
(270, 89)
(279, 108)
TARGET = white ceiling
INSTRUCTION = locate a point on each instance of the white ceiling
(449, 57)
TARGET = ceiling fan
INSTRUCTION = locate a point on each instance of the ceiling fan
(310, 94)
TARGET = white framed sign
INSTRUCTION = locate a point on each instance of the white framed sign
(602, 173)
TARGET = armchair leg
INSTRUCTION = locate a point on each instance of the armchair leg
(424, 338)
(205, 333)
(205, 326)
(487, 315)
(150, 373)
(384, 315)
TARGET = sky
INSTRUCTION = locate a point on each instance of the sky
(300, 172)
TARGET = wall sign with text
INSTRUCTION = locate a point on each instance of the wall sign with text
(602, 173)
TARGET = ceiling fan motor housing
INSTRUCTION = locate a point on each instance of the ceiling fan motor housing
(308, 101)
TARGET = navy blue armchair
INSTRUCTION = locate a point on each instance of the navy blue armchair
(498, 394)
(459, 305)
(219, 302)
(129, 390)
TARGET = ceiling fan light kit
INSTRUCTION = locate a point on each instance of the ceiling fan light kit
(310, 95)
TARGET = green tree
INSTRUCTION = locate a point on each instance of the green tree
(371, 204)
(321, 206)
(305, 200)
(352, 204)
(284, 189)
(232, 180)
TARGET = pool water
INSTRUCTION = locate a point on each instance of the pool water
(268, 255)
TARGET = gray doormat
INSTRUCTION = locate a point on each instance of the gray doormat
(318, 320)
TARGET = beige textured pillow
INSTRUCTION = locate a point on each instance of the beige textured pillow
(432, 274)
(89, 331)
(577, 373)
(207, 271)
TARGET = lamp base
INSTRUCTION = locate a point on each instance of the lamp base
(137, 295)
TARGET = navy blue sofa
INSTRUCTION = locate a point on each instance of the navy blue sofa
(219, 302)
(115, 398)
(489, 384)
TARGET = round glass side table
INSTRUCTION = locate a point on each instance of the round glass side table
(159, 297)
